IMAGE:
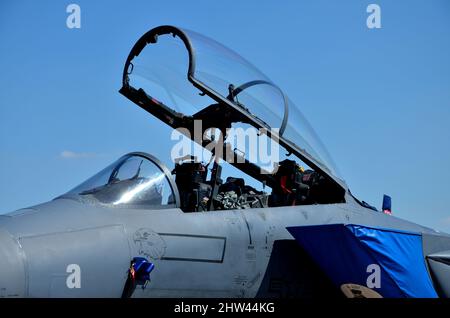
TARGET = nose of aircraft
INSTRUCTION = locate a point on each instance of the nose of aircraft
(12, 266)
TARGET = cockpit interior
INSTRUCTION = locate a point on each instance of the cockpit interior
(183, 79)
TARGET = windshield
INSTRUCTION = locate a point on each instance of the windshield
(161, 73)
(133, 180)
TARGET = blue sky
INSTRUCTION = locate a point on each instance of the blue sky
(378, 98)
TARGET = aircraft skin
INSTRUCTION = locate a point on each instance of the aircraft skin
(224, 253)
(200, 254)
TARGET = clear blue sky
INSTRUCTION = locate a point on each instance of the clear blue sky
(379, 99)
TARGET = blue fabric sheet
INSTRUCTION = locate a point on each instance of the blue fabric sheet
(344, 253)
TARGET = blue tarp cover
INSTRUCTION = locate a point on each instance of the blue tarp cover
(344, 253)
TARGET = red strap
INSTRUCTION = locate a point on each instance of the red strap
(283, 185)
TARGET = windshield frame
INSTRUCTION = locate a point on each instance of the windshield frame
(157, 163)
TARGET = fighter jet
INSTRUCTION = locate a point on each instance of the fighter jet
(234, 225)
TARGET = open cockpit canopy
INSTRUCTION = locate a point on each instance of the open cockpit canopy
(180, 76)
